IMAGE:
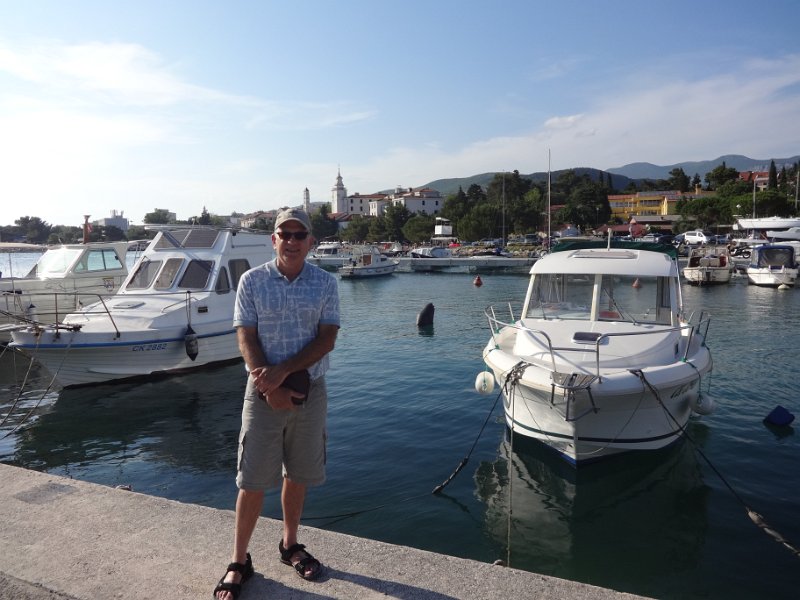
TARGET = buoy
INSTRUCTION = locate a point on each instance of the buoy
(779, 416)
(783, 286)
(484, 383)
(703, 404)
(190, 342)
(636, 283)
(477, 281)
(425, 317)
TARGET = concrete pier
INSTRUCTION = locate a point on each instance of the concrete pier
(63, 539)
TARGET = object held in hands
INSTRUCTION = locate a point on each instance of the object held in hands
(299, 382)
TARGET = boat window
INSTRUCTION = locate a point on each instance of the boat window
(54, 261)
(144, 275)
(634, 299)
(196, 275)
(223, 285)
(99, 260)
(560, 296)
(166, 278)
(619, 298)
(238, 266)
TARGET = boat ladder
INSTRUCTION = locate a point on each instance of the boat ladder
(569, 383)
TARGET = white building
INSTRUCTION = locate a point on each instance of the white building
(423, 200)
(115, 220)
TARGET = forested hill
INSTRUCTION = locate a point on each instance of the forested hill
(623, 176)
(643, 170)
(450, 186)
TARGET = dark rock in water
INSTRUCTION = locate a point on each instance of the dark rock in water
(425, 317)
(779, 416)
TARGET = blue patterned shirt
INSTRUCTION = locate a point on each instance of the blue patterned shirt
(287, 313)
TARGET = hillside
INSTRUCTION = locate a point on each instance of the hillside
(450, 186)
(643, 170)
(622, 176)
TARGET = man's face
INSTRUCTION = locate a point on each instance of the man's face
(291, 251)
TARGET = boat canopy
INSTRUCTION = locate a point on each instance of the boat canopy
(622, 260)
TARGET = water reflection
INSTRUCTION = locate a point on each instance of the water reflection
(625, 523)
(138, 431)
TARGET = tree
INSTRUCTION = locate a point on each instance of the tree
(322, 225)
(772, 183)
(678, 180)
(357, 230)
(418, 228)
(720, 175)
(395, 217)
(159, 216)
(205, 218)
(35, 230)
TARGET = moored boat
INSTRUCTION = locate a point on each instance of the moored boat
(63, 279)
(708, 265)
(367, 261)
(173, 312)
(773, 265)
(601, 359)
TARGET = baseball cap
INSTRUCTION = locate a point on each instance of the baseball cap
(293, 214)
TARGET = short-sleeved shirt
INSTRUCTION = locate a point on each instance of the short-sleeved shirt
(287, 314)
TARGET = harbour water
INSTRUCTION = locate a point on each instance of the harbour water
(404, 413)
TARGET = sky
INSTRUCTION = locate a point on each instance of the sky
(242, 105)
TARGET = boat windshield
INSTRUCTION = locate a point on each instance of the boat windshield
(144, 275)
(600, 297)
(54, 261)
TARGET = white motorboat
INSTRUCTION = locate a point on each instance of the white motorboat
(601, 360)
(773, 265)
(330, 255)
(367, 261)
(708, 265)
(62, 280)
(430, 252)
(767, 223)
(793, 233)
(173, 312)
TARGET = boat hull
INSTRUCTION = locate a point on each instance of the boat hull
(707, 275)
(76, 358)
(766, 277)
(620, 412)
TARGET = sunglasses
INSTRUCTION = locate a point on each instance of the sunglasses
(287, 235)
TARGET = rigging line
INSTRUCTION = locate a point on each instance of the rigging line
(465, 460)
(46, 390)
(19, 395)
(756, 518)
(436, 490)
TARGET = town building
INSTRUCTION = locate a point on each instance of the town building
(117, 220)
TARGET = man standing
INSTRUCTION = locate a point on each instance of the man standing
(287, 319)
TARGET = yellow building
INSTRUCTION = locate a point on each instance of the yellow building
(656, 203)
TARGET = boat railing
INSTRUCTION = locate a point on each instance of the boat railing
(595, 343)
(22, 309)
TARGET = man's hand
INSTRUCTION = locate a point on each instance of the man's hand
(268, 382)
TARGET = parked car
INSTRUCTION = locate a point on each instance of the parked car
(658, 238)
(698, 236)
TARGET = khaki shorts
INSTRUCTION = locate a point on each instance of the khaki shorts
(274, 444)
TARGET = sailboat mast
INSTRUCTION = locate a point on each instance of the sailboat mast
(548, 198)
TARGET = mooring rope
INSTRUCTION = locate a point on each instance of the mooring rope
(436, 490)
(756, 518)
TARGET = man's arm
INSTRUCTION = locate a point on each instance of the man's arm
(268, 378)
